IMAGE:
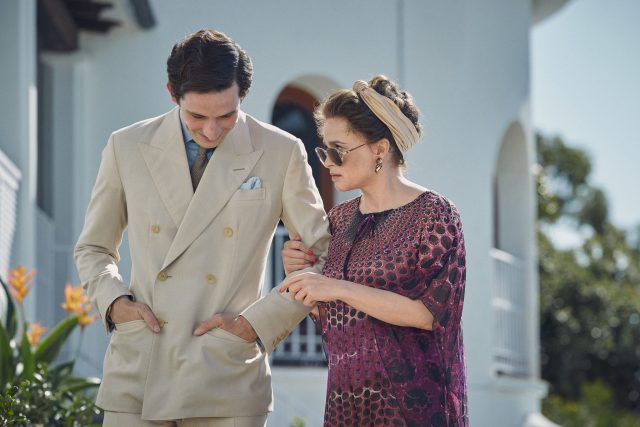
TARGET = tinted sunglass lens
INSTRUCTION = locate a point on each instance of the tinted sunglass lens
(334, 155)
(330, 153)
(322, 154)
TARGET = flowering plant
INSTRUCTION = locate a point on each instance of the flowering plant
(28, 357)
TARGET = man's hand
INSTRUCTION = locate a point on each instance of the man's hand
(124, 310)
(237, 325)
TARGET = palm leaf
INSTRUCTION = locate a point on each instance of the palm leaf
(60, 372)
(11, 321)
(50, 346)
(7, 369)
(26, 357)
(74, 384)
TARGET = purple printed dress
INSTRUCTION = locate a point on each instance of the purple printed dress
(381, 374)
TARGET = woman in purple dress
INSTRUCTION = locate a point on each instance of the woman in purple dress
(389, 301)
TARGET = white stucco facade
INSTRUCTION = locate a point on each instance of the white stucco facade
(18, 119)
(465, 62)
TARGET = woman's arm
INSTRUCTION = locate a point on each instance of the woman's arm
(387, 306)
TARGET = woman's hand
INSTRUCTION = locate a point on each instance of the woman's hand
(310, 288)
(296, 256)
(387, 306)
(315, 312)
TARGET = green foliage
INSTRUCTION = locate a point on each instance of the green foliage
(595, 409)
(589, 295)
(297, 422)
(27, 360)
(32, 389)
(6, 357)
(41, 400)
(48, 349)
(589, 324)
(563, 186)
(10, 321)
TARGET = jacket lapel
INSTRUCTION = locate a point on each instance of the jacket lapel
(228, 168)
(166, 159)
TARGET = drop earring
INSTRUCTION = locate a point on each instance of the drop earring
(378, 164)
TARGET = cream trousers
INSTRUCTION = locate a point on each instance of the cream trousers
(122, 419)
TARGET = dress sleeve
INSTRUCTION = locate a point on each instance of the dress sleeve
(441, 269)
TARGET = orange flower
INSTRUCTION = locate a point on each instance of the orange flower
(36, 330)
(84, 319)
(74, 299)
(76, 302)
(20, 282)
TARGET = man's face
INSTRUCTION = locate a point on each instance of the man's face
(210, 116)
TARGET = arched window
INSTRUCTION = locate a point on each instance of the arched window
(293, 112)
(513, 224)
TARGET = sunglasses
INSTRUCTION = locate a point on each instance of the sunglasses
(336, 155)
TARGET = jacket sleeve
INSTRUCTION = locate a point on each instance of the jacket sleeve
(275, 315)
(96, 252)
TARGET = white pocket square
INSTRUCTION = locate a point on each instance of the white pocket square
(252, 183)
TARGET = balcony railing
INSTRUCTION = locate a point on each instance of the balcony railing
(304, 345)
(511, 352)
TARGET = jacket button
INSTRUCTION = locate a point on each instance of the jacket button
(155, 228)
(228, 232)
(162, 276)
(211, 279)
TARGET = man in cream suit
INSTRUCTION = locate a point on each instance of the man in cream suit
(201, 190)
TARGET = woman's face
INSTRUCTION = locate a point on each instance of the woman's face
(358, 165)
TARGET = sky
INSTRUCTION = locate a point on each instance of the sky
(585, 87)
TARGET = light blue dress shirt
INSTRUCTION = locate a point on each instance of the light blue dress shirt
(190, 145)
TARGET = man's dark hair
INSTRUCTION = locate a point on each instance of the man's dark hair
(208, 61)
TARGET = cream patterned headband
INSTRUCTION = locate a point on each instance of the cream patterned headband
(403, 130)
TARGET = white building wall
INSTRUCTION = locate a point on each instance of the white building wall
(469, 71)
(63, 133)
(18, 120)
